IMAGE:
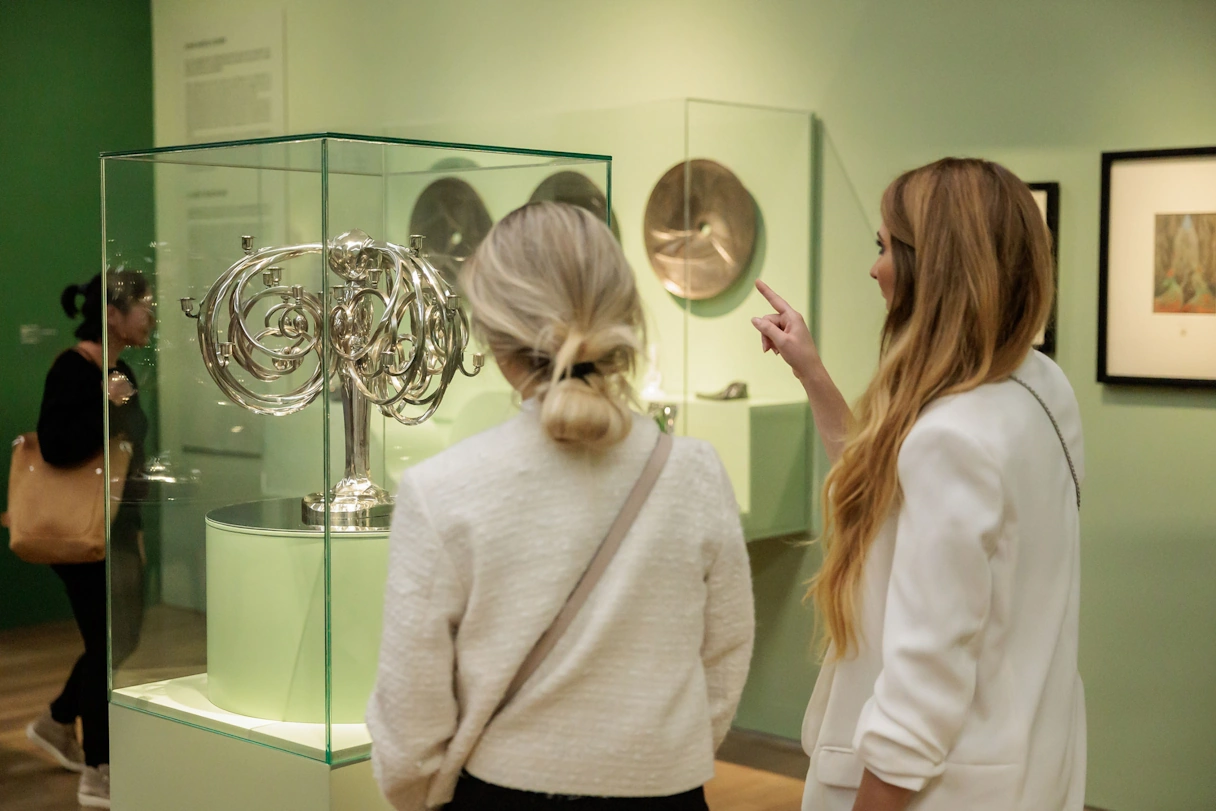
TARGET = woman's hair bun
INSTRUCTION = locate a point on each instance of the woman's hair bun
(550, 286)
(591, 409)
(67, 299)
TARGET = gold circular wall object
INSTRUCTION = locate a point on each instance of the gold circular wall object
(452, 217)
(700, 255)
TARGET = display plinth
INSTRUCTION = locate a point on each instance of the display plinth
(266, 614)
(186, 699)
(158, 764)
(761, 444)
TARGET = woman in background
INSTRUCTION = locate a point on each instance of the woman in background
(70, 431)
(490, 537)
(950, 583)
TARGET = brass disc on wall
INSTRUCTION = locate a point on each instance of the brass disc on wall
(700, 257)
(451, 215)
(578, 190)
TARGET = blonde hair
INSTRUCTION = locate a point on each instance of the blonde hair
(550, 288)
(973, 286)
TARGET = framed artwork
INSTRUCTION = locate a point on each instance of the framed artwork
(1157, 268)
(1047, 195)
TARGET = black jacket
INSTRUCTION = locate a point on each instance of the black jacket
(71, 426)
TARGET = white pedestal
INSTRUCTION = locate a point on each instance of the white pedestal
(157, 764)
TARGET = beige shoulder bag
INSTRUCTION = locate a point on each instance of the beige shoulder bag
(57, 515)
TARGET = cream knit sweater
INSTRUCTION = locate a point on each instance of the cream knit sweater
(488, 539)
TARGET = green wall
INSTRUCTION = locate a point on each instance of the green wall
(75, 79)
(1044, 85)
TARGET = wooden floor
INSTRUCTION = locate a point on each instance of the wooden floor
(738, 788)
(35, 661)
(33, 665)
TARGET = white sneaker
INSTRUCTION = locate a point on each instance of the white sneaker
(94, 790)
(59, 741)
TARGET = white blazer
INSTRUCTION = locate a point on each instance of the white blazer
(965, 689)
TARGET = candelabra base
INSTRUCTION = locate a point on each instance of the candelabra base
(355, 503)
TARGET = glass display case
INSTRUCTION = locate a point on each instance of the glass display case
(310, 345)
(764, 437)
(708, 197)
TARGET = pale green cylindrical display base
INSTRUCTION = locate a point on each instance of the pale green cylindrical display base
(266, 614)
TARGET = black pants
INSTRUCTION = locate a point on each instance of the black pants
(84, 694)
(477, 795)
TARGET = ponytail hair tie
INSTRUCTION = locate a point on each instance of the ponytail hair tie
(581, 371)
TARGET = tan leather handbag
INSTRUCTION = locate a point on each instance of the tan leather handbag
(57, 515)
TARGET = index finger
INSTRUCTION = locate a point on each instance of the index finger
(779, 304)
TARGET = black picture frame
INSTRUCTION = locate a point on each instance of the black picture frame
(1109, 161)
(1052, 216)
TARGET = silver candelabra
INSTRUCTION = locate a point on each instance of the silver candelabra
(395, 345)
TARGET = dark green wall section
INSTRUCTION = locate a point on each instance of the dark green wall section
(75, 80)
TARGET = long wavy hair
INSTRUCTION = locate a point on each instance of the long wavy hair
(973, 286)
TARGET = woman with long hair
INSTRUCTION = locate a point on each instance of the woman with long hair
(948, 594)
(490, 537)
(71, 430)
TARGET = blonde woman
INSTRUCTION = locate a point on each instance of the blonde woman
(490, 537)
(950, 582)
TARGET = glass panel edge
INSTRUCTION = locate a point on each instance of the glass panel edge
(339, 136)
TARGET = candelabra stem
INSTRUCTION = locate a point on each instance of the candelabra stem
(355, 501)
(356, 416)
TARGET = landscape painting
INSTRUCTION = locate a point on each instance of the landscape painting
(1184, 273)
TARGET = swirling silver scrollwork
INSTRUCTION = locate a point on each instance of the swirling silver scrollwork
(396, 338)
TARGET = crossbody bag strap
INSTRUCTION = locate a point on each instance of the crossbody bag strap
(1076, 483)
(595, 570)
